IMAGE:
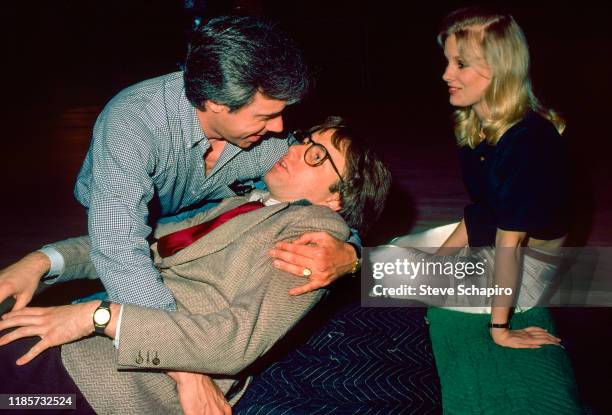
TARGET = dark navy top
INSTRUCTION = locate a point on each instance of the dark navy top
(520, 184)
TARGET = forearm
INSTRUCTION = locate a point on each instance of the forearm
(506, 272)
(121, 255)
(36, 263)
(138, 282)
(506, 275)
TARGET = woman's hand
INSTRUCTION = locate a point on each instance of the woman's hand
(199, 395)
(530, 338)
(54, 325)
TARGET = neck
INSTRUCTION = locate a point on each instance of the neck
(207, 124)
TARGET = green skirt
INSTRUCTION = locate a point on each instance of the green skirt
(479, 377)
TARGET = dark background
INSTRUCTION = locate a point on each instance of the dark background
(375, 61)
(376, 56)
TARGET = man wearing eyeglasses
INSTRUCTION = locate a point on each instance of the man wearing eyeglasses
(233, 303)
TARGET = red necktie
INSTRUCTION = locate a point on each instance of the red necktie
(170, 244)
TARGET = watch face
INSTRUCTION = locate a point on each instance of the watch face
(101, 316)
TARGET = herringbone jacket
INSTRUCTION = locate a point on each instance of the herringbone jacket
(233, 306)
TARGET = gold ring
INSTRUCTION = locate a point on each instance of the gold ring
(306, 272)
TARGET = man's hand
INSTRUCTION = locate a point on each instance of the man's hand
(326, 257)
(530, 337)
(21, 279)
(54, 325)
(199, 395)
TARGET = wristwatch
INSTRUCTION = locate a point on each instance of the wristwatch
(102, 316)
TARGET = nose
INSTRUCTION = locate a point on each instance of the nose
(275, 124)
(296, 151)
(447, 76)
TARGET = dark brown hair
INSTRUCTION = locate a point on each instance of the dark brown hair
(366, 177)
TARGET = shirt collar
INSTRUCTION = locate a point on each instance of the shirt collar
(258, 195)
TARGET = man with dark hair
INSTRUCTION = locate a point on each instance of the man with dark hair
(231, 59)
(233, 304)
(180, 140)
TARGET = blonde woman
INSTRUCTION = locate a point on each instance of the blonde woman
(499, 359)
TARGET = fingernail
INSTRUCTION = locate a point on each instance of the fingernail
(276, 264)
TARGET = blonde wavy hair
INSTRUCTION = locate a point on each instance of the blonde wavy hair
(499, 40)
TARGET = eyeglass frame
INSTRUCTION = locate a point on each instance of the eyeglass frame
(305, 138)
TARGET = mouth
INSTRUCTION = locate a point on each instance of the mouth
(282, 164)
(453, 90)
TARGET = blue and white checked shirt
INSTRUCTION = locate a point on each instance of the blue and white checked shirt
(147, 143)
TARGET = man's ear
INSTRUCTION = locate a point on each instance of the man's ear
(333, 202)
(215, 106)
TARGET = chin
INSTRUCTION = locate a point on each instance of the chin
(245, 144)
(455, 102)
(458, 103)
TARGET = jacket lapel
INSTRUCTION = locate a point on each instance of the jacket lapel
(222, 236)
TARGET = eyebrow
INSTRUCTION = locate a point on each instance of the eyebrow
(270, 116)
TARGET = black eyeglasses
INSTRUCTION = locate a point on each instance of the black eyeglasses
(316, 154)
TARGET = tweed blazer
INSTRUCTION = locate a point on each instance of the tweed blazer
(233, 306)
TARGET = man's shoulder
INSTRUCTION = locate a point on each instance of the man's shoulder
(137, 97)
(303, 217)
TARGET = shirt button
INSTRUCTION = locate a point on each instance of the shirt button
(482, 158)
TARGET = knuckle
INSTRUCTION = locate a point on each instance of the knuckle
(319, 267)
